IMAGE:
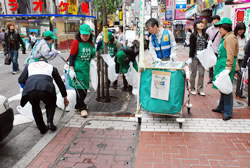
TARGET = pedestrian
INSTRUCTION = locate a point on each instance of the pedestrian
(187, 40)
(120, 34)
(81, 52)
(113, 46)
(215, 37)
(162, 45)
(246, 63)
(23, 49)
(42, 49)
(226, 64)
(2, 41)
(125, 55)
(32, 39)
(204, 20)
(12, 44)
(239, 32)
(37, 83)
(198, 42)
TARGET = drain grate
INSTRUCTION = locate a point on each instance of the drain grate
(237, 104)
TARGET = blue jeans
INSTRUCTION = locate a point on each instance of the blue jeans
(226, 104)
(14, 58)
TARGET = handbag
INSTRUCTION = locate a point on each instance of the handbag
(7, 60)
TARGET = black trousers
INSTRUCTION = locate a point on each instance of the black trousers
(50, 105)
(211, 71)
(80, 97)
(239, 91)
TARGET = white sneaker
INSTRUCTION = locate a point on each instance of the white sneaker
(193, 92)
(84, 113)
(202, 94)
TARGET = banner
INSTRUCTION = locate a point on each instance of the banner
(72, 9)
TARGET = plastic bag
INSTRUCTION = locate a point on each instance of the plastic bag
(93, 74)
(111, 67)
(207, 57)
(132, 76)
(71, 95)
(223, 83)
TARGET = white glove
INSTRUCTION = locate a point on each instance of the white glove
(72, 74)
(226, 71)
(189, 61)
(57, 52)
(243, 69)
(157, 60)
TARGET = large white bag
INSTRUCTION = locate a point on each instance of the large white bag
(132, 76)
(207, 57)
(223, 83)
(93, 74)
(112, 76)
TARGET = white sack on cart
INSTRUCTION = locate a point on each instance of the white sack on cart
(93, 74)
(207, 57)
(223, 83)
(111, 67)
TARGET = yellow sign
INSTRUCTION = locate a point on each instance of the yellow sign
(72, 8)
(105, 34)
(165, 37)
(120, 15)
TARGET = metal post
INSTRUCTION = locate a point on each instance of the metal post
(102, 66)
(124, 21)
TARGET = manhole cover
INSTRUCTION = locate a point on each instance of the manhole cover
(237, 104)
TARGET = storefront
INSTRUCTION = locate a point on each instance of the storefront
(179, 30)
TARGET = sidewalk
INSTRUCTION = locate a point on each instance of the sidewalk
(111, 137)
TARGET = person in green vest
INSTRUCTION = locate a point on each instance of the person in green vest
(124, 56)
(113, 47)
(23, 39)
(227, 64)
(42, 49)
(81, 52)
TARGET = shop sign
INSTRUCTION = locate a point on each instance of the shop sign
(70, 6)
(169, 4)
(189, 13)
(247, 23)
(181, 4)
(168, 15)
(240, 15)
(179, 14)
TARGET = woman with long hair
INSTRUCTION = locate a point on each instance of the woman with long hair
(198, 42)
(81, 52)
(239, 32)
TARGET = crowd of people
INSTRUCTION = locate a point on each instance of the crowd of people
(231, 48)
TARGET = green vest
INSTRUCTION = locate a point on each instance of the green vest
(82, 65)
(111, 48)
(221, 62)
(23, 43)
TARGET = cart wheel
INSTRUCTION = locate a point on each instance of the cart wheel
(139, 121)
(180, 125)
(188, 110)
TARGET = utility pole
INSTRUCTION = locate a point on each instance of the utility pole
(124, 21)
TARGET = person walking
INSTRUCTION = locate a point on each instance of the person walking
(187, 40)
(42, 49)
(162, 45)
(37, 83)
(226, 64)
(12, 44)
(120, 34)
(215, 37)
(246, 65)
(32, 39)
(81, 52)
(198, 42)
(23, 49)
(2, 40)
(239, 32)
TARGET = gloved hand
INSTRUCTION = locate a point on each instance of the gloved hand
(189, 61)
(57, 52)
(243, 69)
(226, 71)
(72, 74)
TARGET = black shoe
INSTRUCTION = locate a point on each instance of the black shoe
(217, 111)
(227, 118)
(210, 81)
(243, 97)
(44, 131)
(51, 126)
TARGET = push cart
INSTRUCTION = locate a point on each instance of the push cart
(164, 89)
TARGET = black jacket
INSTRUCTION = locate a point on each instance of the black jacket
(130, 53)
(41, 83)
(193, 39)
(17, 41)
(247, 56)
